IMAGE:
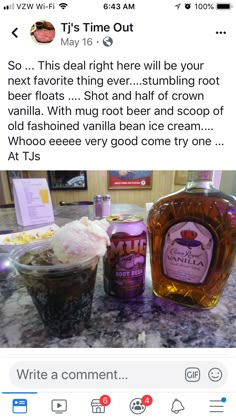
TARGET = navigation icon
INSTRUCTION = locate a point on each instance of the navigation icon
(177, 406)
(19, 406)
(14, 32)
(136, 406)
(217, 406)
(97, 407)
(59, 406)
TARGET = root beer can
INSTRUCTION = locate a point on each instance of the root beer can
(125, 260)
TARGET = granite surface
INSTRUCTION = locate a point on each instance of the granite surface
(146, 321)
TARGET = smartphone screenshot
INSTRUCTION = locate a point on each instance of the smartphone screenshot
(117, 286)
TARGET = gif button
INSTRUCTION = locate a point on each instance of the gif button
(192, 374)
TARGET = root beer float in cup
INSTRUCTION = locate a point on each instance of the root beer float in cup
(60, 274)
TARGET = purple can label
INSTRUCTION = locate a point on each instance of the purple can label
(124, 265)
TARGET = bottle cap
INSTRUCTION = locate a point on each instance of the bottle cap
(97, 197)
(200, 175)
(106, 197)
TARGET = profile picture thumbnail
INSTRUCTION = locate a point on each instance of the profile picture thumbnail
(42, 32)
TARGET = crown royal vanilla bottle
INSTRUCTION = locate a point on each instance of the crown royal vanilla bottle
(192, 238)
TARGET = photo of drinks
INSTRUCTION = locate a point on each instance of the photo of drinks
(105, 267)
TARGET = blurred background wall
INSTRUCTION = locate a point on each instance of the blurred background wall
(163, 182)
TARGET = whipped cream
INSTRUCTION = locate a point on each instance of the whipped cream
(80, 240)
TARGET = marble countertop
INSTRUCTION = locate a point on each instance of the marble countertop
(146, 321)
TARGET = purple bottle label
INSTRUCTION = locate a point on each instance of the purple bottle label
(187, 252)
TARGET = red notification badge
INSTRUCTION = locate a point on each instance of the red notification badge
(147, 400)
(105, 400)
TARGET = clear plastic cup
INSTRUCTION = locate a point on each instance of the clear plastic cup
(62, 293)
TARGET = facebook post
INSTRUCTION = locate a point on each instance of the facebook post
(117, 287)
(117, 79)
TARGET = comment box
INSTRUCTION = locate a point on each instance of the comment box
(118, 374)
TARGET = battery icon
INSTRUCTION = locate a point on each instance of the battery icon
(223, 6)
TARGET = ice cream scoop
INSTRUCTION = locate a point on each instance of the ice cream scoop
(80, 240)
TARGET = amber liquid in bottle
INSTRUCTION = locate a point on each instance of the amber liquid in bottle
(192, 239)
